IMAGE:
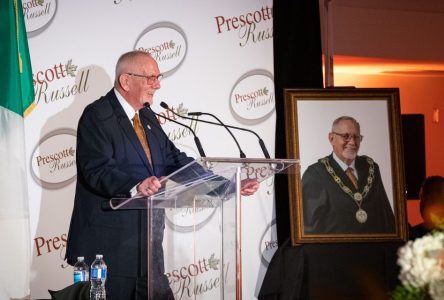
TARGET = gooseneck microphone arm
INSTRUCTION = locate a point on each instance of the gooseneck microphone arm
(261, 142)
(241, 153)
(196, 139)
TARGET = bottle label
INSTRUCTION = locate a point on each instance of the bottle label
(98, 273)
(79, 276)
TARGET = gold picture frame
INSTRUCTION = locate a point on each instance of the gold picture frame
(309, 114)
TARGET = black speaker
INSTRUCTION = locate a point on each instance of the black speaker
(413, 140)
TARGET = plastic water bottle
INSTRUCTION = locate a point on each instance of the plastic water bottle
(81, 270)
(98, 278)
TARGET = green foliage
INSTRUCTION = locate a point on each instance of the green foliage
(409, 293)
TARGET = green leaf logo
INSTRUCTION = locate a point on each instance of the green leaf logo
(181, 110)
(70, 68)
(213, 262)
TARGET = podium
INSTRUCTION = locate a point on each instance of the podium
(193, 227)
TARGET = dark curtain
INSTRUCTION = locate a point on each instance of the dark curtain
(297, 64)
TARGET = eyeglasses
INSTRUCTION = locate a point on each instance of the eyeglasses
(149, 79)
(347, 136)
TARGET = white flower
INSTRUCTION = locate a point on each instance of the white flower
(421, 260)
(436, 290)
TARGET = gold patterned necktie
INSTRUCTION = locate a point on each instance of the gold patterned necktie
(141, 135)
(352, 176)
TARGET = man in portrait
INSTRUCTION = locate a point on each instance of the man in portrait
(343, 192)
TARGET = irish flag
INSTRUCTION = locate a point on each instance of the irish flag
(16, 101)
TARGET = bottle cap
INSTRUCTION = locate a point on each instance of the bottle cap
(80, 258)
(99, 256)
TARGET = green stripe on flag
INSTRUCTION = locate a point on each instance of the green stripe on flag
(16, 88)
(16, 99)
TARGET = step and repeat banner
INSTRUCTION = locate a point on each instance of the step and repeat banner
(217, 57)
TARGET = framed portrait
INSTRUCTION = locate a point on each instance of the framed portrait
(350, 187)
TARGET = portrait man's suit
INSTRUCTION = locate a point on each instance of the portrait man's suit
(110, 162)
(328, 209)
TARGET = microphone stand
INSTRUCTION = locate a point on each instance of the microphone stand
(196, 139)
(241, 153)
(261, 142)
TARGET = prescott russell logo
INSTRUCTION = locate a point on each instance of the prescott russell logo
(177, 132)
(269, 244)
(199, 278)
(167, 44)
(38, 14)
(251, 27)
(252, 97)
(189, 219)
(47, 246)
(54, 83)
(54, 159)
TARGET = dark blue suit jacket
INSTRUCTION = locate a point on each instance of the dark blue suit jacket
(110, 161)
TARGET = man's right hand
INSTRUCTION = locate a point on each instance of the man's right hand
(149, 186)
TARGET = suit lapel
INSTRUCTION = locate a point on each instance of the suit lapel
(128, 129)
(362, 169)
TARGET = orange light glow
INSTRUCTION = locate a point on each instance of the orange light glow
(382, 66)
(435, 115)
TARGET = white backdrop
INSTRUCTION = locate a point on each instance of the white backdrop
(217, 57)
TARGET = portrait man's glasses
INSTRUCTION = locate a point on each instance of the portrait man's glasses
(347, 136)
(149, 79)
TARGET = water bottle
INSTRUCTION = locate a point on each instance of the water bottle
(81, 270)
(98, 278)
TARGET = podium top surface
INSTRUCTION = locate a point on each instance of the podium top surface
(213, 177)
(250, 160)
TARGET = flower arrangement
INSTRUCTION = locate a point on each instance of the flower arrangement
(422, 269)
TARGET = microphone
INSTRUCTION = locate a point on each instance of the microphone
(241, 153)
(196, 139)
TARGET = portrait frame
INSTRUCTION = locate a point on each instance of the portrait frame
(309, 114)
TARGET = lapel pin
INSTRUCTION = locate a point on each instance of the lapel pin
(149, 127)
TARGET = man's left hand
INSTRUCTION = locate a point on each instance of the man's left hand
(249, 187)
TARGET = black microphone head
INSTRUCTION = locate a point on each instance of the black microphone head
(164, 105)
